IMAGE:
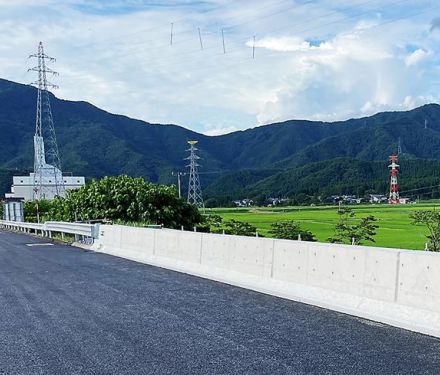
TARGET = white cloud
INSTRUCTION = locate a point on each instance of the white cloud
(282, 44)
(219, 130)
(313, 60)
(416, 57)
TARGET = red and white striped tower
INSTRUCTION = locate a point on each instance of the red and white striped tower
(394, 188)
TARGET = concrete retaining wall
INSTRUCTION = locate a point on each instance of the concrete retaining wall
(398, 287)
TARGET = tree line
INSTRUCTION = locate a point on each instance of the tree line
(128, 200)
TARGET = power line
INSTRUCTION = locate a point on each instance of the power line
(124, 37)
(277, 53)
(296, 31)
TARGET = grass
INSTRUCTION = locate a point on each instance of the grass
(395, 228)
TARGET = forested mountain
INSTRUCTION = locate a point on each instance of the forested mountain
(285, 158)
(342, 176)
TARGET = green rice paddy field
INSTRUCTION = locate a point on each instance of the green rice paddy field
(395, 228)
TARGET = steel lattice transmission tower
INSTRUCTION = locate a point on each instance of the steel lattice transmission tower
(394, 188)
(399, 147)
(194, 189)
(48, 178)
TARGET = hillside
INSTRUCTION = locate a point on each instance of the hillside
(331, 177)
(95, 143)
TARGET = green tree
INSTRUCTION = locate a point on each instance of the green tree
(349, 230)
(431, 219)
(238, 228)
(37, 208)
(289, 230)
(126, 199)
(211, 223)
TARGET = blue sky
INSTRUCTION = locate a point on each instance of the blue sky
(314, 59)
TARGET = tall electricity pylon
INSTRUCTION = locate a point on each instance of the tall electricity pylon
(194, 189)
(399, 147)
(48, 178)
(394, 188)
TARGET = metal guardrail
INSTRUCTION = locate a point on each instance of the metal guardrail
(85, 233)
(80, 229)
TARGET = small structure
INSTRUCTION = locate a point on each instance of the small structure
(244, 202)
(24, 186)
(13, 209)
(377, 198)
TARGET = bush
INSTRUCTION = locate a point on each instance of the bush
(30, 209)
(238, 228)
(126, 199)
(290, 230)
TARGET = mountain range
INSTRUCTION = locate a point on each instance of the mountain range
(282, 159)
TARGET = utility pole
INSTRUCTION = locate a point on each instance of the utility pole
(47, 173)
(179, 174)
(194, 189)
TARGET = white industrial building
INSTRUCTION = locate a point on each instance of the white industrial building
(23, 186)
(46, 182)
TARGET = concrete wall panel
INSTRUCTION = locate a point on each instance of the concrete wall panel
(419, 280)
(291, 261)
(137, 242)
(178, 245)
(216, 249)
(381, 273)
(251, 255)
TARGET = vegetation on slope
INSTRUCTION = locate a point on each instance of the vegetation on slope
(275, 159)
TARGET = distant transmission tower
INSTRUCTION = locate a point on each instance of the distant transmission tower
(394, 188)
(194, 189)
(399, 147)
(48, 178)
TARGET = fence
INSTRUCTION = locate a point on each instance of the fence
(85, 233)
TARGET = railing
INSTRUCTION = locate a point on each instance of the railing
(85, 233)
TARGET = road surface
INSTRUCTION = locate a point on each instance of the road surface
(68, 311)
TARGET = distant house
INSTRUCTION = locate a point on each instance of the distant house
(276, 201)
(378, 198)
(346, 199)
(244, 203)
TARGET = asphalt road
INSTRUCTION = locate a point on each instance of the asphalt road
(68, 311)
